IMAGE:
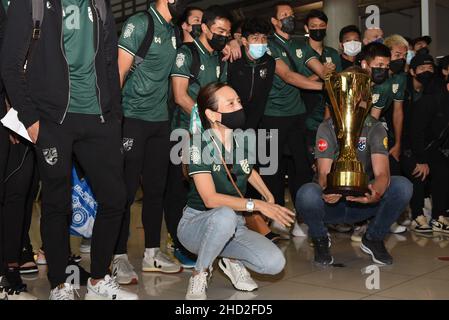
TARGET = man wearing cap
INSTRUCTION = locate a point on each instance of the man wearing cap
(421, 44)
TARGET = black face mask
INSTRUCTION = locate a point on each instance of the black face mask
(424, 50)
(288, 25)
(317, 34)
(397, 66)
(218, 42)
(177, 8)
(234, 120)
(425, 78)
(196, 30)
(379, 75)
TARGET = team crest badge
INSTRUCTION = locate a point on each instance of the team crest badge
(128, 144)
(129, 30)
(195, 155)
(395, 87)
(245, 166)
(328, 59)
(362, 144)
(376, 97)
(263, 73)
(299, 53)
(180, 59)
(50, 155)
(218, 72)
(173, 42)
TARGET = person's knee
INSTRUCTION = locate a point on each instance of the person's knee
(226, 220)
(401, 188)
(308, 196)
(275, 262)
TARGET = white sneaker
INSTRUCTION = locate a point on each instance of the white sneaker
(123, 270)
(40, 258)
(63, 292)
(440, 225)
(358, 233)
(155, 260)
(197, 287)
(299, 230)
(237, 273)
(421, 225)
(397, 228)
(107, 289)
(19, 293)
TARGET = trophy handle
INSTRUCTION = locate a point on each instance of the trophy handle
(333, 99)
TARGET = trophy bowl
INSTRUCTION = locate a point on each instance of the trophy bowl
(350, 97)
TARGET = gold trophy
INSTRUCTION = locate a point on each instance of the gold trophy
(350, 95)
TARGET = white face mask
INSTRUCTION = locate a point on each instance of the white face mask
(352, 48)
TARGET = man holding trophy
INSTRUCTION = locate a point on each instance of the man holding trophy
(353, 181)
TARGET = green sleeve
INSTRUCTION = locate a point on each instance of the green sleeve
(183, 63)
(308, 53)
(380, 96)
(133, 33)
(399, 86)
(274, 50)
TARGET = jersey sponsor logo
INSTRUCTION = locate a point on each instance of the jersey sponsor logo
(180, 59)
(263, 73)
(173, 42)
(299, 53)
(50, 155)
(329, 59)
(385, 143)
(395, 87)
(216, 168)
(245, 166)
(195, 155)
(129, 30)
(376, 98)
(128, 144)
(322, 145)
(362, 144)
(157, 40)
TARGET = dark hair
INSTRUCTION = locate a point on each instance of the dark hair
(348, 29)
(187, 13)
(274, 11)
(373, 50)
(207, 100)
(236, 26)
(316, 14)
(255, 25)
(215, 12)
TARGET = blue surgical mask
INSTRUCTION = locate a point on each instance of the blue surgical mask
(410, 56)
(257, 50)
(379, 40)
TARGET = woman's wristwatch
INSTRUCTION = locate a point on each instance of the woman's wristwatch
(250, 205)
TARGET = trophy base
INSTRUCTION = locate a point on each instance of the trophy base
(347, 191)
(347, 183)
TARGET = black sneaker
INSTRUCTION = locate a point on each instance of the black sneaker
(322, 252)
(27, 263)
(18, 292)
(376, 249)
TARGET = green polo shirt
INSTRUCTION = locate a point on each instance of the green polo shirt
(329, 55)
(391, 90)
(209, 72)
(79, 49)
(205, 158)
(284, 99)
(145, 93)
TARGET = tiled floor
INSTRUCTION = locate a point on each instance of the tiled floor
(417, 273)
